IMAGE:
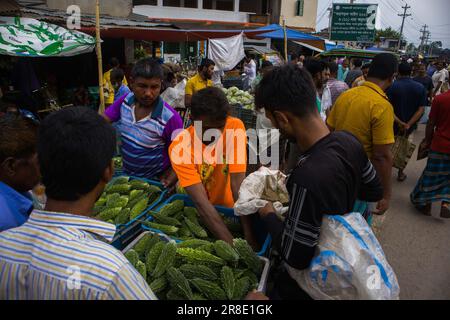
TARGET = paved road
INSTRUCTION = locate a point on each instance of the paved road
(417, 247)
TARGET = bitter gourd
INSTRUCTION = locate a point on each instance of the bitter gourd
(165, 260)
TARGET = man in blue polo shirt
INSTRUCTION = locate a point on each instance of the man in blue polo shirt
(147, 125)
(19, 169)
(409, 99)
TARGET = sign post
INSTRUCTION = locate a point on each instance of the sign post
(353, 22)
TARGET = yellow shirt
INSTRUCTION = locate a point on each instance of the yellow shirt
(365, 112)
(109, 87)
(196, 83)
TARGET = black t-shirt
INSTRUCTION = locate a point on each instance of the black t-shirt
(327, 180)
(426, 82)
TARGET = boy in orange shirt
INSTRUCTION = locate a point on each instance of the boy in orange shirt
(210, 160)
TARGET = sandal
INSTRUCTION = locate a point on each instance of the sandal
(425, 210)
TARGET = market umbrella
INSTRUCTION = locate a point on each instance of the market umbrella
(32, 38)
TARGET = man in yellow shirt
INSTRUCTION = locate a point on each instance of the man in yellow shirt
(366, 112)
(200, 81)
(108, 87)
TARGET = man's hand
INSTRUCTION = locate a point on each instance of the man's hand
(169, 179)
(256, 295)
(268, 209)
(382, 207)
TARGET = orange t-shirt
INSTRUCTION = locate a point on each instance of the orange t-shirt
(195, 162)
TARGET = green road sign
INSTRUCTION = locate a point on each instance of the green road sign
(353, 22)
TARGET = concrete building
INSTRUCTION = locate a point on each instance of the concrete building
(299, 14)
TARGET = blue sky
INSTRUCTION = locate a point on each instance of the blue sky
(434, 13)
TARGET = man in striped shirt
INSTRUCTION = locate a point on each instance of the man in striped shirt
(331, 173)
(147, 125)
(62, 253)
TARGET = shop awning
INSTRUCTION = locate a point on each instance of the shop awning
(353, 53)
(308, 46)
(32, 38)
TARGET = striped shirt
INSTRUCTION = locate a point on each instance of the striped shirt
(145, 142)
(59, 256)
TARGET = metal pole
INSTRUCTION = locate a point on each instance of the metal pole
(99, 57)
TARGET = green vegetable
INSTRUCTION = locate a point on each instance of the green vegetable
(196, 256)
(252, 278)
(162, 227)
(158, 285)
(248, 255)
(211, 290)
(228, 281)
(191, 213)
(110, 198)
(197, 296)
(119, 188)
(120, 180)
(165, 260)
(138, 208)
(179, 283)
(109, 214)
(184, 231)
(120, 202)
(172, 208)
(225, 251)
(153, 256)
(123, 217)
(140, 267)
(141, 246)
(153, 189)
(135, 194)
(191, 271)
(101, 202)
(172, 295)
(139, 185)
(241, 288)
(196, 229)
(207, 247)
(132, 256)
(166, 220)
(193, 243)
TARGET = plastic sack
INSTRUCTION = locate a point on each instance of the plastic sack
(258, 189)
(175, 96)
(349, 264)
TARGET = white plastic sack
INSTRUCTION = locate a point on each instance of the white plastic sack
(349, 265)
(258, 189)
(175, 96)
(227, 52)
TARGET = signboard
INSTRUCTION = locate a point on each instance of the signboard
(353, 22)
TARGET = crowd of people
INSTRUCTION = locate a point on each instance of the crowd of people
(340, 119)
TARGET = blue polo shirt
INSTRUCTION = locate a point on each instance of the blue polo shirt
(15, 207)
(407, 96)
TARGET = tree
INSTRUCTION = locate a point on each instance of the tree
(388, 33)
(411, 48)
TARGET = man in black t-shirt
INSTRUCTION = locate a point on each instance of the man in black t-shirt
(425, 80)
(332, 172)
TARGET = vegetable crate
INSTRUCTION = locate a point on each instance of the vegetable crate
(226, 212)
(127, 232)
(247, 116)
(262, 283)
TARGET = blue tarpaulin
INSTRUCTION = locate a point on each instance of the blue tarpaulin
(275, 31)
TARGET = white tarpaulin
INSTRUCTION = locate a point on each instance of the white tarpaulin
(228, 52)
(33, 38)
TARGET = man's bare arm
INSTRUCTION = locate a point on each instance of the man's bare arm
(382, 161)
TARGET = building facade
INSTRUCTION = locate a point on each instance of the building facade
(299, 14)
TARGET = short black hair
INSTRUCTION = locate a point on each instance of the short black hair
(75, 146)
(117, 74)
(18, 136)
(357, 63)
(314, 66)
(207, 63)
(287, 88)
(211, 102)
(383, 66)
(333, 66)
(114, 62)
(404, 69)
(147, 68)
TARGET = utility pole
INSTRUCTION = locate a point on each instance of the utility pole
(424, 32)
(404, 15)
(330, 16)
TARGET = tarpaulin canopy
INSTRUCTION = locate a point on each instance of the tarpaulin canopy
(33, 38)
(168, 34)
(276, 32)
